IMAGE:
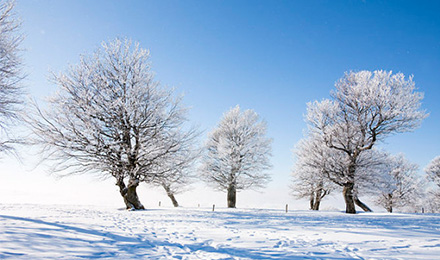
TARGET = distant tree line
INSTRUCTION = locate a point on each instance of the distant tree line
(111, 117)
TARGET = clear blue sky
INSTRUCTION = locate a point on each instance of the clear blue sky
(270, 56)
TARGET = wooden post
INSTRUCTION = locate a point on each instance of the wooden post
(159, 203)
(287, 208)
(213, 207)
(423, 210)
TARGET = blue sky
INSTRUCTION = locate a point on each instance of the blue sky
(270, 56)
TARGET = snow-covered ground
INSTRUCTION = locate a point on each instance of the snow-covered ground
(85, 232)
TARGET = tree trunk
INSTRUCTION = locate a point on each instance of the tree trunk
(347, 192)
(389, 203)
(232, 196)
(170, 195)
(316, 205)
(129, 194)
(319, 194)
(312, 201)
(362, 205)
(173, 200)
(317, 199)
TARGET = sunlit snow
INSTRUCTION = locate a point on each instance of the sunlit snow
(85, 232)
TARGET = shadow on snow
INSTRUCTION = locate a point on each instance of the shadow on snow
(93, 244)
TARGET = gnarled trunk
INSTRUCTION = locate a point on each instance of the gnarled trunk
(316, 205)
(317, 200)
(347, 192)
(312, 201)
(129, 193)
(170, 195)
(362, 205)
(319, 194)
(232, 196)
(389, 203)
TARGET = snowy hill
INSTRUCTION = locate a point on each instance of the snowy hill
(81, 232)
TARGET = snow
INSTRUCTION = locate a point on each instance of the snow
(32, 231)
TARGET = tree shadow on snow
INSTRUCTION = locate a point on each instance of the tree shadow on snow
(64, 239)
(57, 239)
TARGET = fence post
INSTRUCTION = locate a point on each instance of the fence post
(213, 207)
(159, 203)
(287, 208)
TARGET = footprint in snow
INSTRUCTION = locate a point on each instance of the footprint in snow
(231, 238)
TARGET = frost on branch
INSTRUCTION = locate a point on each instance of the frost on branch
(365, 108)
(178, 172)
(237, 154)
(112, 118)
(433, 170)
(400, 186)
(433, 175)
(311, 169)
(10, 73)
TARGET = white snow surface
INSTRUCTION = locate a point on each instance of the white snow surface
(86, 232)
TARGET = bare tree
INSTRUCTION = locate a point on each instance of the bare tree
(366, 108)
(400, 186)
(237, 154)
(112, 118)
(310, 171)
(10, 72)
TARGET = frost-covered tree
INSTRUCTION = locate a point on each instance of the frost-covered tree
(433, 170)
(237, 154)
(365, 108)
(10, 72)
(309, 175)
(400, 187)
(319, 169)
(433, 175)
(178, 174)
(112, 118)
(175, 184)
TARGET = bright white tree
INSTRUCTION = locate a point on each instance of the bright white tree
(10, 73)
(365, 108)
(400, 187)
(175, 184)
(433, 170)
(320, 169)
(433, 174)
(309, 176)
(112, 118)
(237, 154)
(179, 173)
